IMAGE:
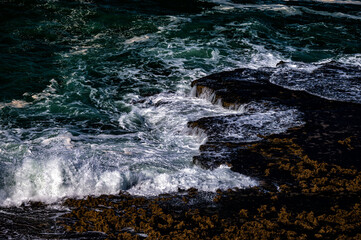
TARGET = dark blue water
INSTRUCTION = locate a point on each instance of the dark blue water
(95, 95)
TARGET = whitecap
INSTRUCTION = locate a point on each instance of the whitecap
(204, 180)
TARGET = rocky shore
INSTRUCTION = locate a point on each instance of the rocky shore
(310, 179)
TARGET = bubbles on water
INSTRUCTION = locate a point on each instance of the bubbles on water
(248, 127)
(204, 180)
(115, 117)
(59, 165)
(352, 59)
(76, 147)
(52, 168)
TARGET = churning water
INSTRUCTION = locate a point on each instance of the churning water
(95, 96)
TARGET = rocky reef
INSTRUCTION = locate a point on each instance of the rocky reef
(330, 133)
(310, 179)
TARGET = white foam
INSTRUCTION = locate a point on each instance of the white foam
(64, 139)
(57, 172)
(204, 180)
(48, 163)
(58, 164)
(207, 94)
(248, 127)
(354, 59)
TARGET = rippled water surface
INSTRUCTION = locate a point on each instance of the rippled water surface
(95, 95)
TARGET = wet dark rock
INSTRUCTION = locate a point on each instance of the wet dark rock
(310, 178)
(233, 214)
(34, 220)
(326, 125)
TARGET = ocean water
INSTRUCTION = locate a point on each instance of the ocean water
(95, 96)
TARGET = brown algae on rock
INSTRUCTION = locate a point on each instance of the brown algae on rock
(310, 177)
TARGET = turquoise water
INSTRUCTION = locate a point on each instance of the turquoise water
(95, 96)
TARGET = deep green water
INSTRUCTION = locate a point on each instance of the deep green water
(95, 95)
